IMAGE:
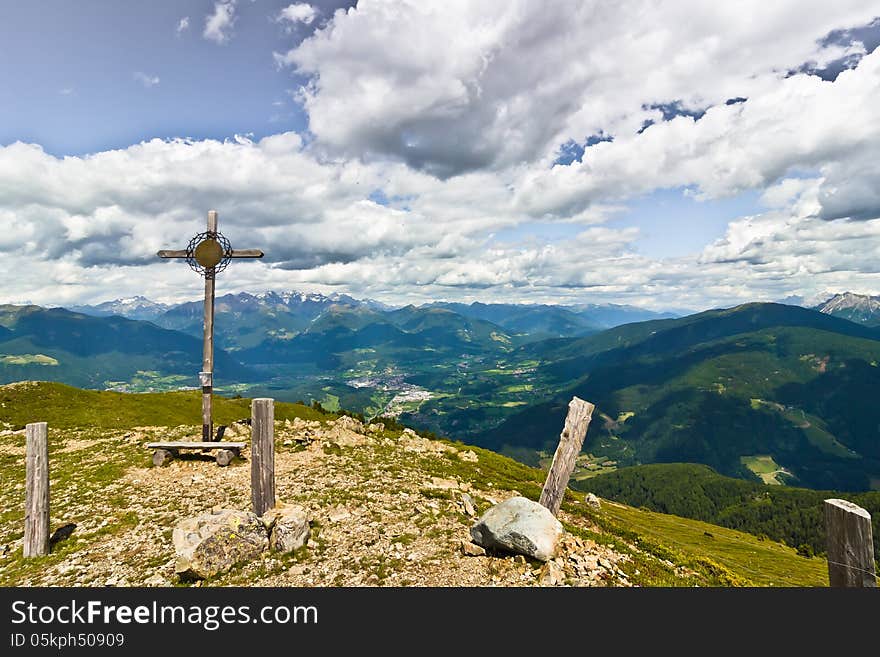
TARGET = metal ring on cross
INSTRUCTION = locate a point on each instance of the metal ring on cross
(208, 253)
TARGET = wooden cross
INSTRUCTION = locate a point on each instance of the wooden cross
(208, 253)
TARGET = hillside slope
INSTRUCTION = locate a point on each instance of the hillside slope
(792, 515)
(386, 507)
(718, 387)
(60, 345)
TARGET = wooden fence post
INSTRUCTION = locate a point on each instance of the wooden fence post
(262, 455)
(850, 545)
(36, 496)
(571, 440)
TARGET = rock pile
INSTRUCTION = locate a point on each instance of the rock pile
(212, 543)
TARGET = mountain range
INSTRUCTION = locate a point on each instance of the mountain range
(100, 352)
(291, 312)
(859, 308)
(756, 391)
(728, 388)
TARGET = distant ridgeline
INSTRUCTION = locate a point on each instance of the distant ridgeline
(792, 515)
(723, 388)
(95, 352)
(774, 391)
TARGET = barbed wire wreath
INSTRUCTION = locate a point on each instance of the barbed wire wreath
(208, 253)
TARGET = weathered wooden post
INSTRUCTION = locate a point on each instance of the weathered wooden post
(571, 440)
(850, 545)
(209, 253)
(262, 455)
(36, 496)
(206, 376)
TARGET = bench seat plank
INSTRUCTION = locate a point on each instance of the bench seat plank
(196, 445)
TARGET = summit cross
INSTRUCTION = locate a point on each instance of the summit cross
(208, 254)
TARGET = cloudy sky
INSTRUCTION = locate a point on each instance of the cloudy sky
(676, 154)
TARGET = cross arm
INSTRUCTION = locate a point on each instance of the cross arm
(245, 253)
(170, 253)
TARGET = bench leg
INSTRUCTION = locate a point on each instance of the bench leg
(162, 456)
(224, 457)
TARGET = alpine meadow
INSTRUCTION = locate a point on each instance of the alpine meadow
(400, 293)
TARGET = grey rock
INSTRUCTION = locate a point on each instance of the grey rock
(521, 526)
(346, 432)
(551, 574)
(288, 526)
(213, 543)
(469, 549)
(156, 580)
(350, 424)
(442, 484)
(593, 501)
(339, 514)
(467, 503)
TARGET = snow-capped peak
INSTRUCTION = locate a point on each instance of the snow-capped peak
(850, 301)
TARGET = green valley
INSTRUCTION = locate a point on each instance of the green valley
(781, 513)
(765, 392)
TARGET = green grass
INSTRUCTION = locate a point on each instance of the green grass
(525, 387)
(27, 359)
(728, 557)
(765, 467)
(67, 407)
(817, 433)
(762, 562)
(330, 402)
(814, 428)
(725, 558)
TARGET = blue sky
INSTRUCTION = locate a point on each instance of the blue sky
(673, 223)
(664, 155)
(70, 82)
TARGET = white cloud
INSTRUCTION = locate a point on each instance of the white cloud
(114, 209)
(218, 25)
(66, 91)
(294, 14)
(146, 80)
(456, 86)
(429, 173)
(89, 227)
(803, 122)
(182, 25)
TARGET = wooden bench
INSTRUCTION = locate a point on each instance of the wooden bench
(165, 452)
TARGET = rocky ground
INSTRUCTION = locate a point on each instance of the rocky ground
(386, 508)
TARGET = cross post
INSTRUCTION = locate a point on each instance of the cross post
(209, 253)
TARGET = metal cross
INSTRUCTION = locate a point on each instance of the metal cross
(209, 253)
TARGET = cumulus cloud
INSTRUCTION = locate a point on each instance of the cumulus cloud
(294, 14)
(219, 24)
(92, 225)
(794, 246)
(314, 219)
(182, 25)
(803, 122)
(146, 80)
(460, 86)
(445, 137)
